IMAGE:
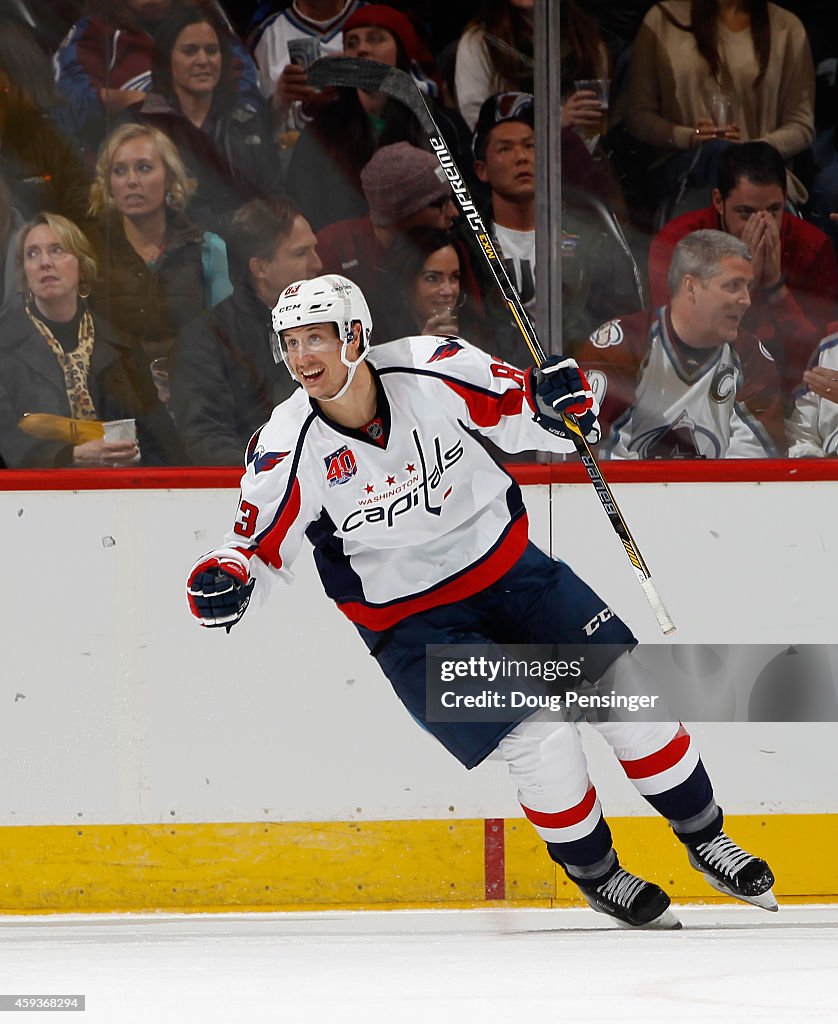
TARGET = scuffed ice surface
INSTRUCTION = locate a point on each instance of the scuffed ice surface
(445, 967)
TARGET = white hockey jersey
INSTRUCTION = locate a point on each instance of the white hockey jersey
(270, 47)
(409, 513)
(659, 402)
(813, 425)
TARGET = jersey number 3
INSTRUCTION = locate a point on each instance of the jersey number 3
(246, 525)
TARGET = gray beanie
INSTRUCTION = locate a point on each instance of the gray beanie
(401, 179)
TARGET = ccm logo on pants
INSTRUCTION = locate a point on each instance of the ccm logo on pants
(597, 621)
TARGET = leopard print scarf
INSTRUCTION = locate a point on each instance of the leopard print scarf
(75, 365)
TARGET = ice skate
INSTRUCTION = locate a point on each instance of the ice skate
(631, 901)
(734, 871)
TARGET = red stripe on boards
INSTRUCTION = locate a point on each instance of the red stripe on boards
(494, 859)
(661, 760)
(699, 471)
(564, 819)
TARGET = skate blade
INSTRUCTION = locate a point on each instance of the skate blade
(667, 921)
(765, 900)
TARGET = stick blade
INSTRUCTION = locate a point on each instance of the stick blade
(360, 73)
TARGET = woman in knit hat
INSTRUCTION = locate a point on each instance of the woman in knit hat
(325, 173)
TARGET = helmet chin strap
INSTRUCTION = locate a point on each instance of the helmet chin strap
(351, 367)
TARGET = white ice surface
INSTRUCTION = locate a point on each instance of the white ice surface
(728, 964)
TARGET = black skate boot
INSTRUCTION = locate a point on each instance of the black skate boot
(733, 871)
(631, 901)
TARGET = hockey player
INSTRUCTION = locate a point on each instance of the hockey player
(420, 537)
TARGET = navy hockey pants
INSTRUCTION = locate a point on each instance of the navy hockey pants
(539, 601)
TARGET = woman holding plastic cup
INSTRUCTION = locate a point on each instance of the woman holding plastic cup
(61, 375)
(688, 56)
(423, 290)
(584, 73)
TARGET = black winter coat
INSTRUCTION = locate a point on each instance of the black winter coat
(146, 307)
(31, 380)
(232, 157)
(324, 176)
(224, 380)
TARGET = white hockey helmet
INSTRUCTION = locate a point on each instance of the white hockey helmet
(327, 299)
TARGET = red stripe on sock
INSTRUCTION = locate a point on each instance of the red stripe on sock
(494, 859)
(661, 760)
(563, 819)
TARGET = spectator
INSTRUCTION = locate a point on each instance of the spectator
(40, 167)
(162, 270)
(282, 81)
(225, 382)
(224, 141)
(504, 158)
(584, 56)
(756, 52)
(59, 358)
(795, 274)
(504, 151)
(10, 223)
(423, 289)
(404, 187)
(688, 382)
(104, 64)
(813, 425)
(494, 55)
(495, 51)
(324, 174)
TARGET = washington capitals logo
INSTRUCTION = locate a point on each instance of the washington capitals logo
(262, 461)
(445, 351)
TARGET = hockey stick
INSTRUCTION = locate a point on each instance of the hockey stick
(359, 73)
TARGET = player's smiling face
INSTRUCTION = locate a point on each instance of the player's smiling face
(313, 355)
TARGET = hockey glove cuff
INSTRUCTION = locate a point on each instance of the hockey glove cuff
(559, 388)
(219, 588)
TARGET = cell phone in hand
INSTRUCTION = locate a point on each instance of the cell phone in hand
(304, 52)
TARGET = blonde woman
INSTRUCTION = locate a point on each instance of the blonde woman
(161, 269)
(56, 357)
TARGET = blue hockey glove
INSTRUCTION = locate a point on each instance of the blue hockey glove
(218, 589)
(559, 388)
